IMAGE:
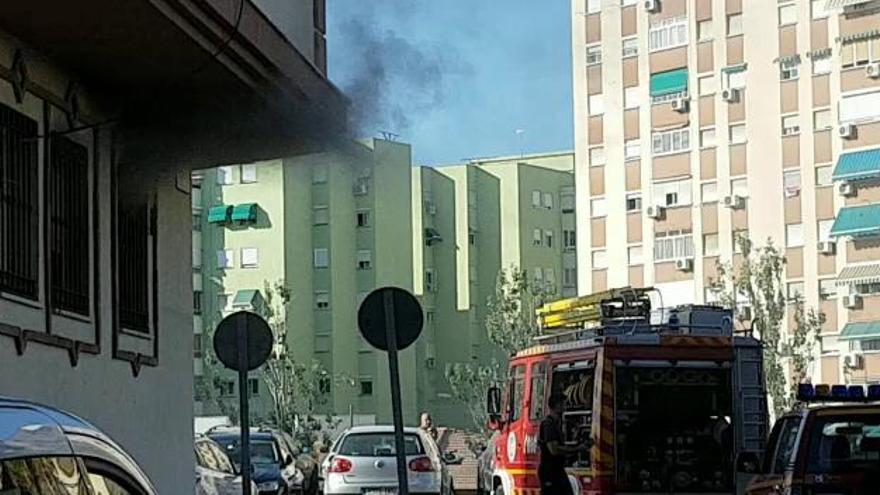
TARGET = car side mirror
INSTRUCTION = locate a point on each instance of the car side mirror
(748, 463)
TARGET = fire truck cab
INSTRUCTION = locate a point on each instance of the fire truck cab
(669, 405)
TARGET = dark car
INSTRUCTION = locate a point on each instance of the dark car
(44, 450)
(274, 466)
(486, 466)
(215, 471)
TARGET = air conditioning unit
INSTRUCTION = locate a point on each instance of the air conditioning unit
(730, 95)
(655, 211)
(847, 131)
(853, 360)
(847, 189)
(652, 5)
(734, 202)
(684, 264)
(826, 247)
(873, 70)
(852, 301)
(681, 105)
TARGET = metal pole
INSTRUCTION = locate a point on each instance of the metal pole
(399, 446)
(244, 414)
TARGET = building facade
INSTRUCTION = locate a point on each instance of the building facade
(698, 121)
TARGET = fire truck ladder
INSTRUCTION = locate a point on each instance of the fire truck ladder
(594, 310)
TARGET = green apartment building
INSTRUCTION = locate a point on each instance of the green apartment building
(335, 226)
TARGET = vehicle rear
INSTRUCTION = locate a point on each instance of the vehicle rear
(364, 461)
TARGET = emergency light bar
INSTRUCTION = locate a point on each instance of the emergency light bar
(837, 393)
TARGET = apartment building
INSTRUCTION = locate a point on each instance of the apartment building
(698, 121)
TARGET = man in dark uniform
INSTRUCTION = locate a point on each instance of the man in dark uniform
(551, 471)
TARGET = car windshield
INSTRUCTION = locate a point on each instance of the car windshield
(262, 451)
(844, 443)
(377, 445)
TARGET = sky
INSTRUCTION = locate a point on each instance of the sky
(456, 78)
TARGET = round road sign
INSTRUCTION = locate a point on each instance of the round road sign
(257, 340)
(406, 312)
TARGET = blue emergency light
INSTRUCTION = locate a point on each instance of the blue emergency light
(837, 393)
(874, 392)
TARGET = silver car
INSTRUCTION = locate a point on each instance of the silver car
(215, 471)
(362, 461)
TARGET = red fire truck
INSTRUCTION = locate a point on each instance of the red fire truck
(669, 397)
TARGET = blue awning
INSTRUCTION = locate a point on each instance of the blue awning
(219, 214)
(857, 221)
(858, 165)
(861, 330)
(246, 212)
(673, 81)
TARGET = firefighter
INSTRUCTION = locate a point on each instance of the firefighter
(551, 470)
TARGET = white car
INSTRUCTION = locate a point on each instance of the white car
(362, 461)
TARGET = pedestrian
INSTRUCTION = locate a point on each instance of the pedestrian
(426, 423)
(551, 470)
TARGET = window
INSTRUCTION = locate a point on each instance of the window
(224, 176)
(472, 237)
(569, 277)
(225, 258)
(868, 288)
(823, 229)
(550, 279)
(319, 174)
(40, 475)
(516, 393)
(710, 244)
(223, 301)
(707, 138)
(594, 6)
(822, 119)
(364, 259)
(548, 200)
(630, 47)
(597, 104)
(674, 141)
(566, 199)
(569, 239)
(594, 54)
(819, 8)
(250, 257)
(709, 192)
(673, 245)
(362, 218)
(794, 235)
(536, 199)
(823, 175)
(597, 156)
(734, 77)
(322, 300)
(361, 186)
(668, 33)
(791, 182)
(632, 149)
(597, 207)
(248, 174)
(539, 391)
(430, 280)
(634, 255)
(704, 30)
(197, 302)
(707, 85)
(634, 202)
(538, 274)
(68, 191)
(366, 386)
(827, 289)
(631, 97)
(787, 14)
(600, 260)
(321, 258)
(734, 25)
(789, 69)
(862, 107)
(740, 186)
(738, 237)
(794, 291)
(790, 125)
(737, 133)
(786, 437)
(254, 387)
(821, 64)
(672, 193)
(860, 52)
(628, 2)
(321, 215)
(537, 238)
(548, 238)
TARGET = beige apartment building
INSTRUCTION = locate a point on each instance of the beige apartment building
(697, 121)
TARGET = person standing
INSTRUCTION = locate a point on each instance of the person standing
(551, 470)
(426, 423)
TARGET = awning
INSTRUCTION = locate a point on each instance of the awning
(246, 212)
(247, 298)
(859, 274)
(857, 221)
(861, 330)
(839, 4)
(734, 68)
(219, 214)
(791, 59)
(674, 81)
(858, 165)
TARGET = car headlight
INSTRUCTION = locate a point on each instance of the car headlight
(268, 486)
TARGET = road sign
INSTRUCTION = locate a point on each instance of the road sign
(243, 342)
(390, 318)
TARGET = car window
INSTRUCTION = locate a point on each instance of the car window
(840, 444)
(539, 385)
(517, 392)
(205, 456)
(224, 464)
(787, 439)
(102, 485)
(262, 451)
(43, 475)
(377, 445)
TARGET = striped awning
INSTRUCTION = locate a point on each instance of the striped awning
(861, 330)
(791, 59)
(859, 274)
(821, 52)
(864, 35)
(673, 81)
(858, 165)
(734, 68)
(839, 4)
(857, 221)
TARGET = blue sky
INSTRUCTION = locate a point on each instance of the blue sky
(457, 78)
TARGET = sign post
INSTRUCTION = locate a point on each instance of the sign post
(242, 342)
(391, 319)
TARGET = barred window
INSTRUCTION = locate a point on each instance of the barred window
(673, 245)
(19, 211)
(668, 33)
(133, 264)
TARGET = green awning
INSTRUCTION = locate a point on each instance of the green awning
(219, 214)
(674, 81)
(858, 165)
(247, 298)
(861, 330)
(246, 212)
(857, 221)
(733, 69)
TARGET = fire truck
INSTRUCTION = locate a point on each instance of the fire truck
(670, 397)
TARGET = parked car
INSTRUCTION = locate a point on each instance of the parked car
(486, 467)
(215, 471)
(306, 463)
(274, 467)
(45, 450)
(362, 461)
